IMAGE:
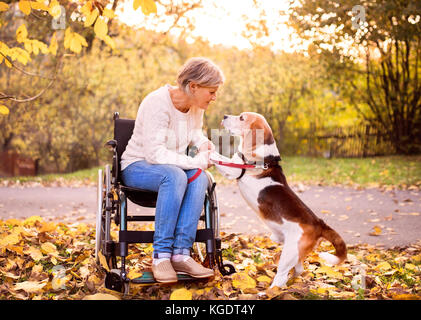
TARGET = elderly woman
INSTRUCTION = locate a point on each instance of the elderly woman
(169, 120)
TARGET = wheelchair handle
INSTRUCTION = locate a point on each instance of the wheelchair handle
(111, 143)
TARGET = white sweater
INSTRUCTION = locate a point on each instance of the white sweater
(162, 133)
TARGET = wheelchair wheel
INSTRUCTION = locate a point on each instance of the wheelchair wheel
(114, 282)
(99, 226)
(208, 220)
(103, 216)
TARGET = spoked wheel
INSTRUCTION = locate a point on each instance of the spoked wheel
(226, 268)
(99, 226)
(103, 217)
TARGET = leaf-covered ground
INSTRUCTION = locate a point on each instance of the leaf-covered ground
(47, 260)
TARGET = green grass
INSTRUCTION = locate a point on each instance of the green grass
(398, 171)
(401, 171)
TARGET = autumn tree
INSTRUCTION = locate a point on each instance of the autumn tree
(374, 47)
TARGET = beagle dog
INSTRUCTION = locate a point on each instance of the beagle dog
(264, 187)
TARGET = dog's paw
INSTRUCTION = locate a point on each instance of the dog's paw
(279, 281)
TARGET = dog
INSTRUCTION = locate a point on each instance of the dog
(264, 187)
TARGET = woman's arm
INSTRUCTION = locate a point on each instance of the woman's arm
(155, 134)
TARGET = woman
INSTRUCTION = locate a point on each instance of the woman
(169, 120)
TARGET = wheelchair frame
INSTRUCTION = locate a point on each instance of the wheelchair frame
(112, 203)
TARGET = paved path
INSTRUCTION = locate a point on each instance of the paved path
(353, 213)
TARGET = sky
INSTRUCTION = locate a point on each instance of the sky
(222, 22)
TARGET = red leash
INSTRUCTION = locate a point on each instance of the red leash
(235, 165)
(194, 177)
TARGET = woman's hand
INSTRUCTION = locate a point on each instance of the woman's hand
(204, 157)
(207, 146)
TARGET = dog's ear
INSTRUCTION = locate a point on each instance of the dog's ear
(261, 127)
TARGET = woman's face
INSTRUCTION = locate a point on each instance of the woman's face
(203, 96)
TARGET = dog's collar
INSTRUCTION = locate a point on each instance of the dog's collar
(272, 161)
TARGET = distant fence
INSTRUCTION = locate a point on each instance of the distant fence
(356, 141)
(13, 164)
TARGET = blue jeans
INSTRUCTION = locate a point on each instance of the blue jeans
(178, 205)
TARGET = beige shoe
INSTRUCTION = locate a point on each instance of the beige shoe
(192, 268)
(164, 272)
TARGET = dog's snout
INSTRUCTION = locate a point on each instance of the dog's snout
(225, 116)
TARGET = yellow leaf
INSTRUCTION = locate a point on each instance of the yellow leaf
(53, 44)
(321, 290)
(68, 35)
(35, 253)
(103, 261)
(49, 248)
(28, 46)
(329, 272)
(4, 110)
(181, 294)
(21, 33)
(30, 286)
(108, 13)
(136, 4)
(54, 9)
(264, 279)
(39, 6)
(376, 231)
(3, 6)
(32, 220)
(19, 54)
(81, 227)
(14, 222)
(100, 28)
(25, 6)
(90, 18)
(133, 274)
(75, 45)
(100, 296)
(243, 281)
(148, 6)
(48, 227)
(109, 41)
(87, 7)
(11, 239)
(17, 249)
(383, 266)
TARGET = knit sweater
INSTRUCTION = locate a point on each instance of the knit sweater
(162, 133)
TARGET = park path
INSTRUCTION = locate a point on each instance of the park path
(354, 213)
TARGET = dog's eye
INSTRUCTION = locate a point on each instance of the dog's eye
(241, 118)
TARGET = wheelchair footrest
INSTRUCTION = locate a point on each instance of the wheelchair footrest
(147, 278)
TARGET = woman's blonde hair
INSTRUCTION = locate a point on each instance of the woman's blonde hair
(201, 71)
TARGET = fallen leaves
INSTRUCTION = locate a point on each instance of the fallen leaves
(377, 231)
(43, 260)
(181, 294)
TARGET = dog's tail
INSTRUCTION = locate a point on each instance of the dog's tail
(340, 247)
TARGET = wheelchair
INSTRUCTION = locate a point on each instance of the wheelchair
(112, 205)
